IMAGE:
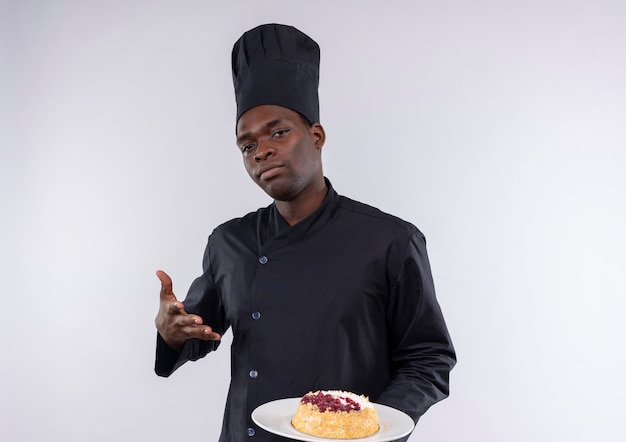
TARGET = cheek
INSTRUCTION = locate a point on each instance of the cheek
(247, 164)
(310, 159)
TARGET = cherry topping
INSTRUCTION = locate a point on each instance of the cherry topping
(327, 402)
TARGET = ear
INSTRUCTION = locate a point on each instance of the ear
(318, 135)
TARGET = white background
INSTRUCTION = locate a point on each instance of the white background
(497, 127)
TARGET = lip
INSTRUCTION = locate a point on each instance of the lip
(269, 171)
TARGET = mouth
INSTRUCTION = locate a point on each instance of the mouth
(269, 172)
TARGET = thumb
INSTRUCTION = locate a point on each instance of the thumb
(166, 284)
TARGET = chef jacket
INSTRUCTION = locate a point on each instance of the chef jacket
(343, 300)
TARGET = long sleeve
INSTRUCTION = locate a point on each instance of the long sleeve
(203, 300)
(422, 351)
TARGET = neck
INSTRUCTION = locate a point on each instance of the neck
(301, 207)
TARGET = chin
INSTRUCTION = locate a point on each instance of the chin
(280, 193)
(281, 196)
(284, 188)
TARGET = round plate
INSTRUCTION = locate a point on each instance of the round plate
(275, 417)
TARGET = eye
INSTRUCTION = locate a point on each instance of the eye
(246, 147)
(280, 132)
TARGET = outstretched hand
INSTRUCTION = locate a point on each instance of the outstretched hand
(173, 323)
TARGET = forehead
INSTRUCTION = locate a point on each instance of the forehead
(258, 117)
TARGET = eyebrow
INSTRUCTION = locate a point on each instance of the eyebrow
(263, 128)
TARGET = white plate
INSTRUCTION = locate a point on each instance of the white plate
(276, 416)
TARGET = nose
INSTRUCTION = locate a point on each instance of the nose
(264, 151)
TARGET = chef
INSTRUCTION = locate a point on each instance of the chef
(320, 291)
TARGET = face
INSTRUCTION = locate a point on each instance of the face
(281, 154)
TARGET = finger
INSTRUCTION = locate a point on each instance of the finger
(166, 285)
(186, 322)
(176, 308)
(194, 328)
(206, 333)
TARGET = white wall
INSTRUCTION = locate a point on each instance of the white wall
(497, 127)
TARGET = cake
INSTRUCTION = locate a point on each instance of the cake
(335, 414)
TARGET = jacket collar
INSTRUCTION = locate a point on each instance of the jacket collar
(278, 233)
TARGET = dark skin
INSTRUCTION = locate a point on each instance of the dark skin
(282, 155)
